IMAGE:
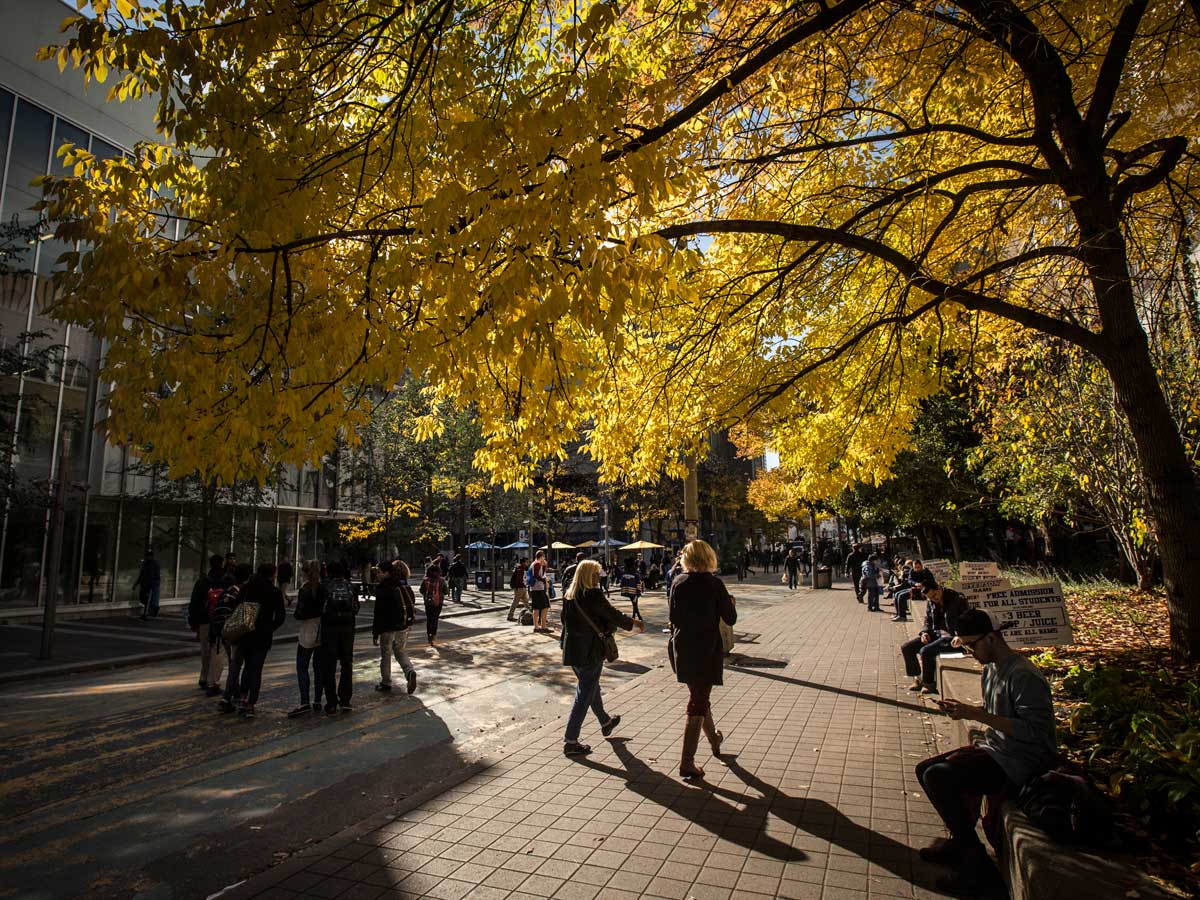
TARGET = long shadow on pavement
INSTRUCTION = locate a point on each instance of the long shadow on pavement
(845, 692)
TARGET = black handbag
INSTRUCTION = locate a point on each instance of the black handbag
(607, 641)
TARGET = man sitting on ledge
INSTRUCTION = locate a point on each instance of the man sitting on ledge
(941, 615)
(1017, 746)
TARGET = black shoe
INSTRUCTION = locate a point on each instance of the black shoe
(411, 678)
(941, 852)
(610, 726)
(203, 685)
(574, 748)
(243, 710)
(331, 709)
(226, 707)
(346, 707)
(213, 691)
(248, 712)
(300, 710)
(384, 688)
(974, 876)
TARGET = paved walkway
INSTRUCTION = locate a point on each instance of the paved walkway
(817, 799)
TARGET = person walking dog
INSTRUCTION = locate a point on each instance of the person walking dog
(699, 603)
(587, 617)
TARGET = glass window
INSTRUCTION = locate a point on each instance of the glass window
(30, 154)
(52, 248)
(99, 545)
(265, 545)
(164, 537)
(6, 108)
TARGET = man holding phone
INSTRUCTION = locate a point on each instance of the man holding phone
(1018, 745)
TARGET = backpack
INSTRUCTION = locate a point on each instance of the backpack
(432, 590)
(1068, 809)
(213, 600)
(339, 603)
(529, 579)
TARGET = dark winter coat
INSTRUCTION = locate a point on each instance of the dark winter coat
(308, 602)
(197, 611)
(944, 617)
(699, 602)
(271, 610)
(393, 606)
(581, 645)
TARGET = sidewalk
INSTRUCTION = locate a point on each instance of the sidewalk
(111, 640)
(817, 799)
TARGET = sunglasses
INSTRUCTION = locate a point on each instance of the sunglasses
(970, 645)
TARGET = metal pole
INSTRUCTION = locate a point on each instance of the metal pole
(58, 517)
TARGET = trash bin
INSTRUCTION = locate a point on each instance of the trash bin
(483, 580)
(824, 577)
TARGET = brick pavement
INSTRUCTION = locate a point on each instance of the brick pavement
(816, 800)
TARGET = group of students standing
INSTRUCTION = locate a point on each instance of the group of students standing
(235, 611)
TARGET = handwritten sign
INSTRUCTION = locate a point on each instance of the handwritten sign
(1036, 612)
(941, 569)
(979, 586)
(978, 570)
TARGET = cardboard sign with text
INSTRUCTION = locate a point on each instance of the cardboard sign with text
(1037, 612)
(942, 570)
(978, 570)
(980, 586)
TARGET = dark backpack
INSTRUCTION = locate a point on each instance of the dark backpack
(1068, 809)
(339, 603)
(213, 600)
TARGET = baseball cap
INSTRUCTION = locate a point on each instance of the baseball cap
(976, 623)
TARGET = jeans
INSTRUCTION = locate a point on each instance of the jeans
(872, 593)
(793, 579)
(304, 657)
(256, 658)
(928, 654)
(149, 598)
(393, 642)
(954, 783)
(902, 598)
(456, 589)
(337, 649)
(587, 695)
(237, 659)
(432, 612)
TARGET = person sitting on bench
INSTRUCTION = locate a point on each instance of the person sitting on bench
(1017, 746)
(941, 616)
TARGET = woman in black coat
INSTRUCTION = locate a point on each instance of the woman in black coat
(583, 650)
(272, 613)
(699, 602)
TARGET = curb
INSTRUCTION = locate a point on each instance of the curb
(187, 651)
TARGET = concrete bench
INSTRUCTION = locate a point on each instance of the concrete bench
(1034, 866)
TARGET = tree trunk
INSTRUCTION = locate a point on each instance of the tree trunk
(1172, 493)
(954, 545)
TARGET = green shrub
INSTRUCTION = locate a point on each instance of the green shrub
(1140, 730)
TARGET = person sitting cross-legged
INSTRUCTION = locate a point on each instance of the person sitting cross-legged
(921, 653)
(1017, 746)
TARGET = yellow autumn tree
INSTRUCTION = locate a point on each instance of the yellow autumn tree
(632, 223)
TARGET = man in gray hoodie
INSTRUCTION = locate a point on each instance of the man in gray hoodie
(1017, 745)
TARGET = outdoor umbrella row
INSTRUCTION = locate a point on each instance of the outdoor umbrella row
(559, 545)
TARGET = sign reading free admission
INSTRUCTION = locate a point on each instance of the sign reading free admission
(1036, 611)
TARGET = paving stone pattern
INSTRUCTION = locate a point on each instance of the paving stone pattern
(817, 799)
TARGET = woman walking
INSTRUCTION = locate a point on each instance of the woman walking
(586, 614)
(539, 593)
(433, 590)
(699, 603)
(308, 644)
(260, 589)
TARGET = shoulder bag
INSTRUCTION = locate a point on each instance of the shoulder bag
(607, 641)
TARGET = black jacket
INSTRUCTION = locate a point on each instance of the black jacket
(699, 602)
(581, 645)
(457, 570)
(393, 606)
(271, 610)
(308, 602)
(944, 617)
(197, 611)
(854, 564)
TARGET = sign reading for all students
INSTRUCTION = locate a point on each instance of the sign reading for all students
(1036, 611)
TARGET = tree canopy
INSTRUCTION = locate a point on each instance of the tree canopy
(628, 223)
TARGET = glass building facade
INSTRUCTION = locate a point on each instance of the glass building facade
(116, 507)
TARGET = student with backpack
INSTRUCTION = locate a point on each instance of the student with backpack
(433, 590)
(199, 621)
(457, 576)
(262, 590)
(631, 587)
(308, 641)
(395, 612)
(221, 615)
(339, 607)
(520, 591)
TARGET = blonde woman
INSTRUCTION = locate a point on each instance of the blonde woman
(586, 612)
(699, 603)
